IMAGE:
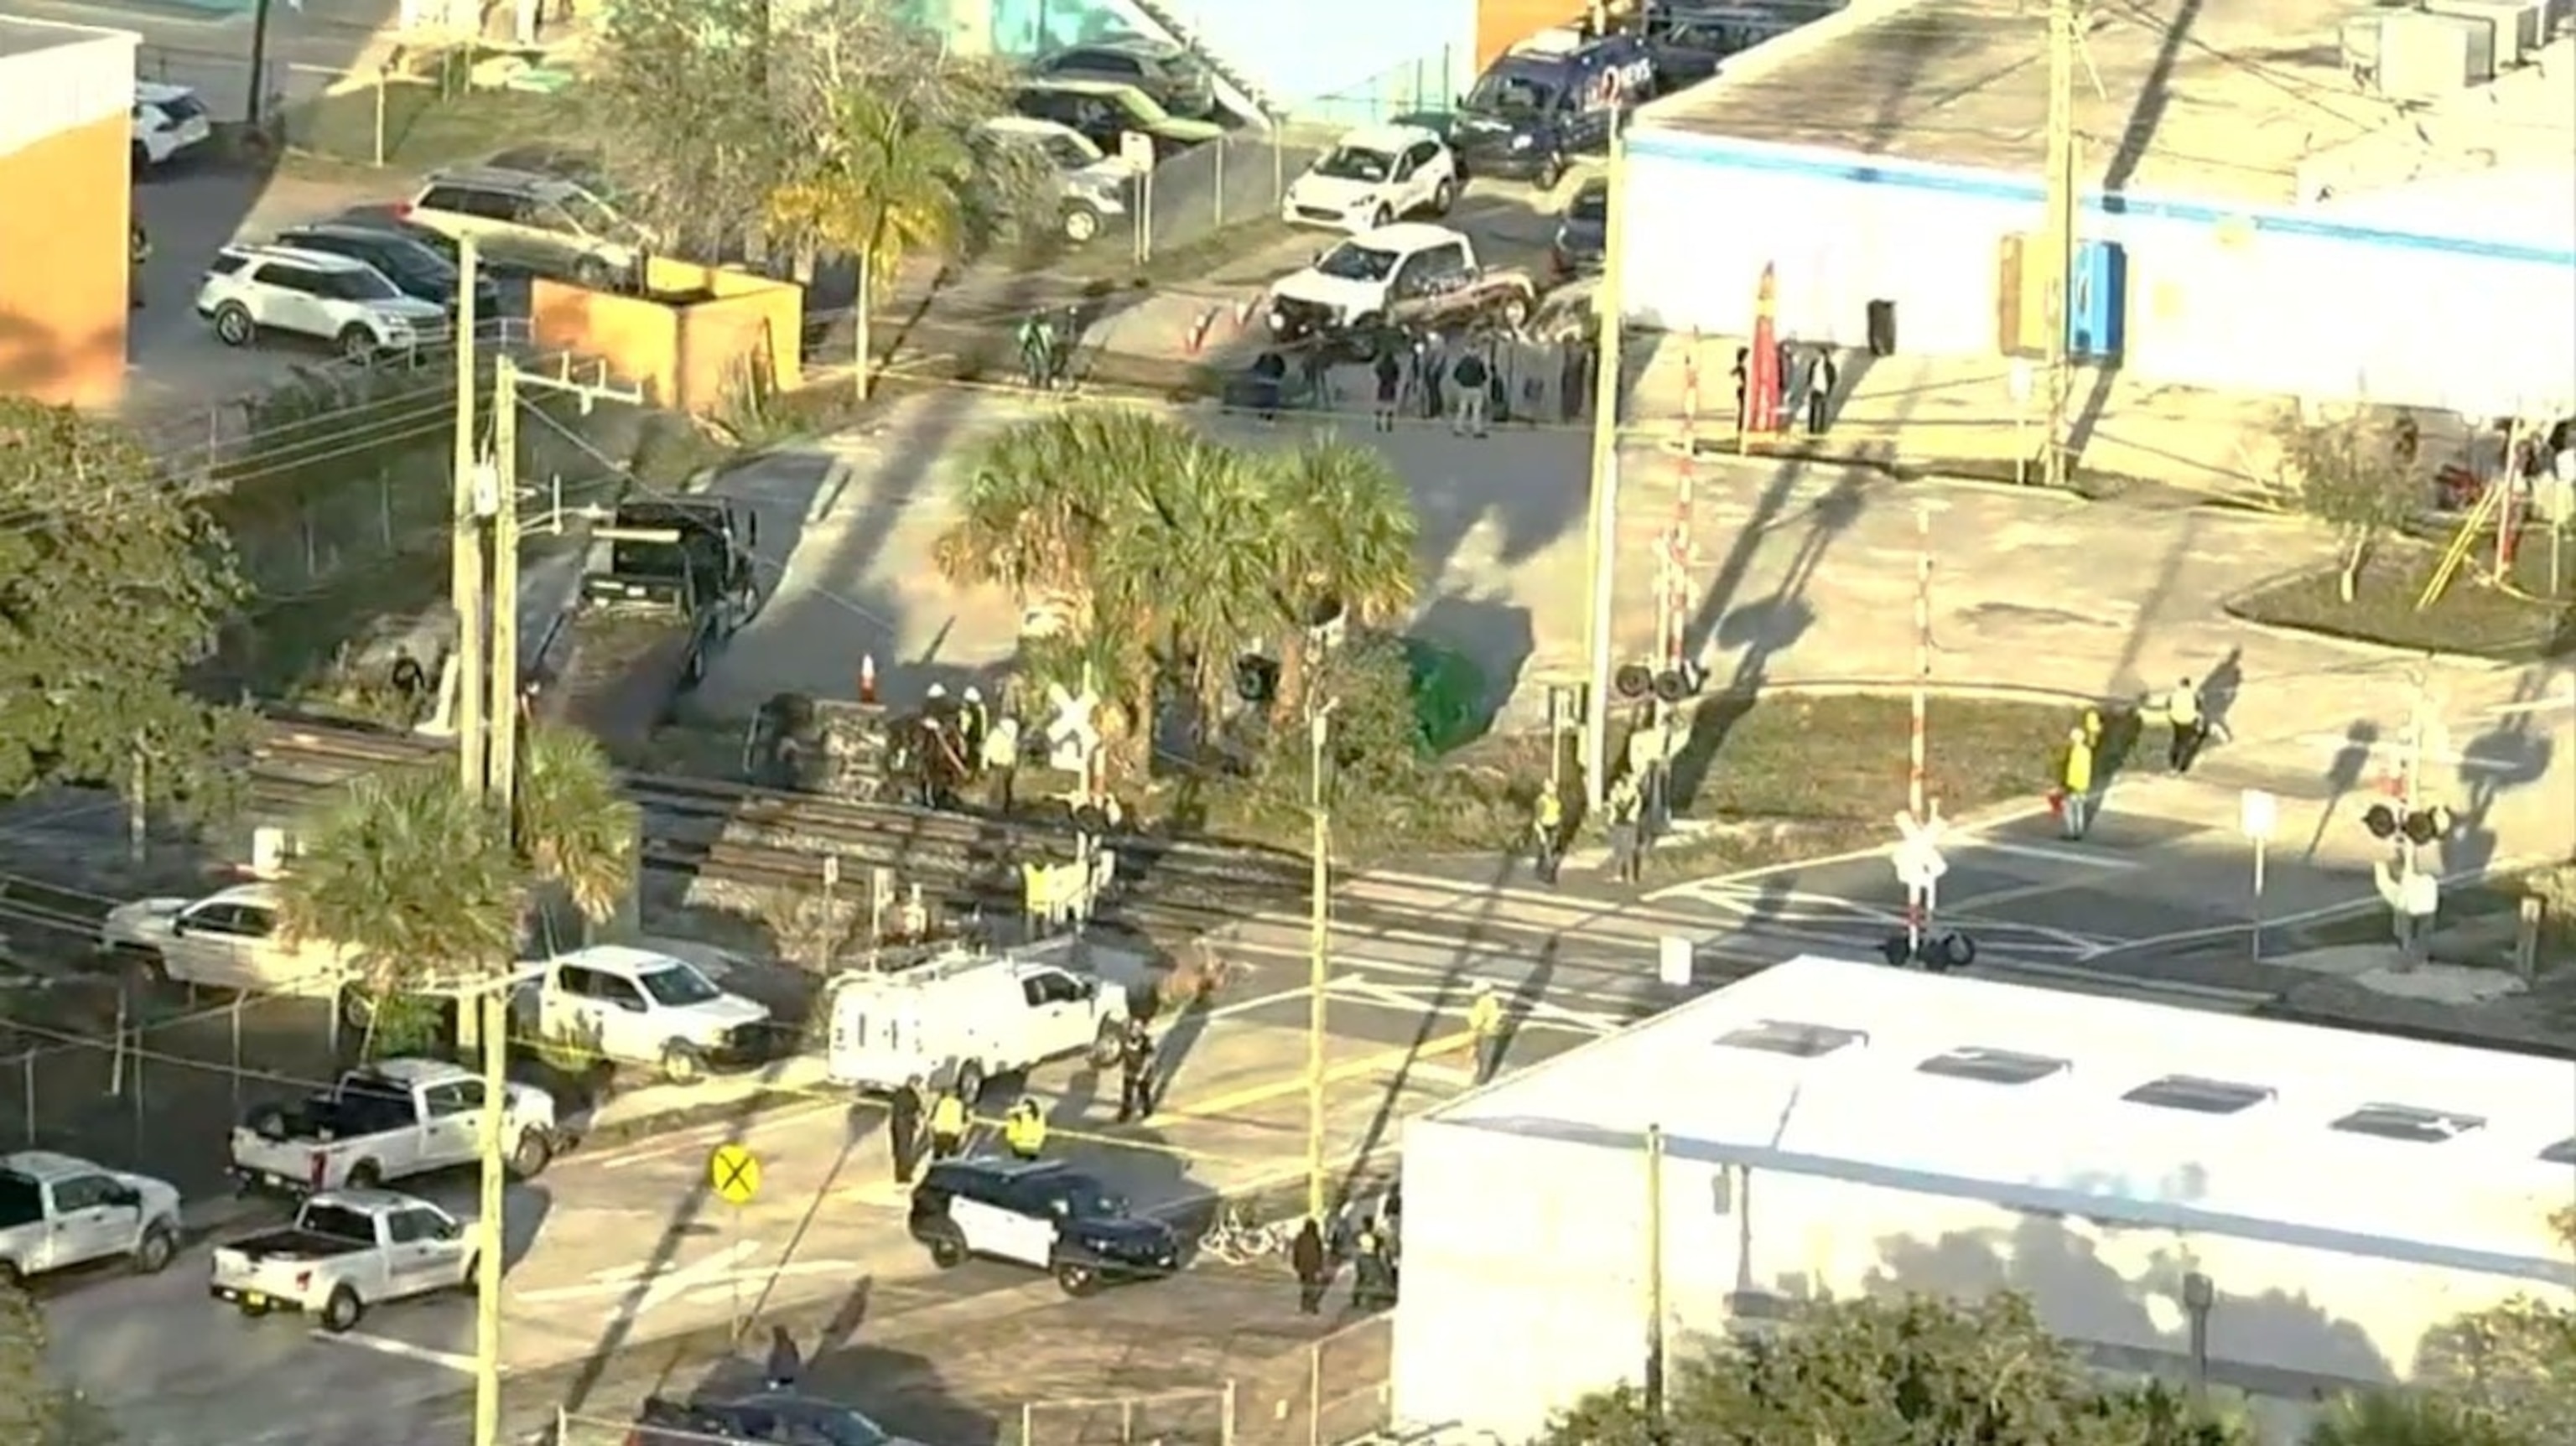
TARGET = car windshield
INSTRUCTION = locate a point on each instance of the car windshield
(592, 217)
(364, 285)
(1591, 205)
(1351, 261)
(678, 986)
(337, 1222)
(1505, 92)
(1356, 163)
(412, 261)
(1086, 1201)
(1071, 153)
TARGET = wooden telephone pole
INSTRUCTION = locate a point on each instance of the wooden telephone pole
(485, 586)
(2059, 232)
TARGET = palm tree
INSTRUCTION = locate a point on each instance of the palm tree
(1347, 546)
(412, 877)
(574, 829)
(889, 179)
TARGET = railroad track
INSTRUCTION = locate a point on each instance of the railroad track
(740, 834)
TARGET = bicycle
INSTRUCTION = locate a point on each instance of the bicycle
(1237, 1239)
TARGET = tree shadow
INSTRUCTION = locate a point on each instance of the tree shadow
(2509, 755)
(2343, 774)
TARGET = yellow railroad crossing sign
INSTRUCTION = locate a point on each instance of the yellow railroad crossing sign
(735, 1172)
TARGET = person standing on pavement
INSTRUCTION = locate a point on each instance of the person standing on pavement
(138, 249)
(1372, 1273)
(2075, 797)
(1547, 832)
(1435, 372)
(948, 1125)
(903, 1130)
(1627, 844)
(1314, 1270)
(1001, 750)
(1135, 1073)
(1485, 1027)
(1389, 370)
(1037, 351)
(786, 1363)
(1469, 379)
(2190, 727)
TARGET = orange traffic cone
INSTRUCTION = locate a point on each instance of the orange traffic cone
(867, 677)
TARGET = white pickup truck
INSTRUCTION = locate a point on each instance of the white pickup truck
(57, 1212)
(389, 1120)
(1408, 275)
(348, 1251)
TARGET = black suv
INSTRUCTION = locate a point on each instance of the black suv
(1172, 76)
(415, 268)
(1039, 1213)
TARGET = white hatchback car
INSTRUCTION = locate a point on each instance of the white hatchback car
(168, 119)
(251, 289)
(1374, 177)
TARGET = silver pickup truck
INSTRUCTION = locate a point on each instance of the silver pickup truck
(393, 1119)
(347, 1252)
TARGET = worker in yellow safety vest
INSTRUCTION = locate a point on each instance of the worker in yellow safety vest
(1024, 1130)
(1547, 832)
(2075, 798)
(1485, 1024)
(948, 1125)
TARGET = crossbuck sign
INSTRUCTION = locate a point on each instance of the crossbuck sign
(1071, 735)
(1918, 851)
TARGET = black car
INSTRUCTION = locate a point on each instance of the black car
(772, 1418)
(1172, 76)
(416, 269)
(1583, 237)
(1043, 1214)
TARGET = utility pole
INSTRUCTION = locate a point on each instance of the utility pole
(2419, 721)
(2059, 232)
(1657, 1352)
(1610, 308)
(1918, 903)
(467, 581)
(1318, 942)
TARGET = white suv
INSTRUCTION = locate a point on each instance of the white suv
(251, 289)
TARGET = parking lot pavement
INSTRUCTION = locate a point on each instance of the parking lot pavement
(619, 1248)
(190, 211)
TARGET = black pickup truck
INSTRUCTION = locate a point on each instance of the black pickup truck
(667, 582)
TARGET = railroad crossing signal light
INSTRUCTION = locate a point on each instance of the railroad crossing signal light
(1256, 678)
(2419, 827)
(1633, 681)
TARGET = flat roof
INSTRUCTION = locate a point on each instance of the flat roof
(2225, 102)
(2110, 1108)
(20, 35)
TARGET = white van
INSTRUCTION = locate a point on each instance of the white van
(966, 1016)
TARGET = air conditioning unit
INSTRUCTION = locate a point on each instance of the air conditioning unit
(2426, 57)
(2515, 24)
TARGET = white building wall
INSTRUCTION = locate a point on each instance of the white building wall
(1525, 1282)
(82, 75)
(2220, 296)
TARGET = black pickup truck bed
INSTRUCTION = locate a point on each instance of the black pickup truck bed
(289, 1243)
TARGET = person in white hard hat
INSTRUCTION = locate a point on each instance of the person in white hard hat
(974, 722)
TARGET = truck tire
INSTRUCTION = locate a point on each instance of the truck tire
(970, 1084)
(252, 1309)
(1105, 1045)
(1076, 1279)
(947, 1251)
(530, 1156)
(144, 962)
(364, 1175)
(152, 1253)
(342, 1310)
(681, 1064)
(10, 1275)
(1516, 310)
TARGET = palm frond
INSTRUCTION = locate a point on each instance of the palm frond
(575, 828)
(409, 874)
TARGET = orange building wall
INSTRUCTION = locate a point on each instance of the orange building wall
(1502, 24)
(63, 264)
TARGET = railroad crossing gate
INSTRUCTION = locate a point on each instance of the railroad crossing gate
(735, 1173)
(1917, 856)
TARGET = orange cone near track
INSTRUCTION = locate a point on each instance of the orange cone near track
(867, 677)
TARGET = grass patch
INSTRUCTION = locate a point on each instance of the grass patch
(417, 125)
(2523, 620)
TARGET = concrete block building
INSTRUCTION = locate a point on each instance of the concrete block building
(66, 118)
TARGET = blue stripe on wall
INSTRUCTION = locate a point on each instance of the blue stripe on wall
(1732, 155)
(2172, 1215)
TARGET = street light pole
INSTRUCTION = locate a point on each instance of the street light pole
(1318, 941)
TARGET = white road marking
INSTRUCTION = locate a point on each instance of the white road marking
(403, 1350)
(2045, 853)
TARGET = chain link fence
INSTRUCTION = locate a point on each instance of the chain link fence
(1420, 91)
(159, 1094)
(1238, 178)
